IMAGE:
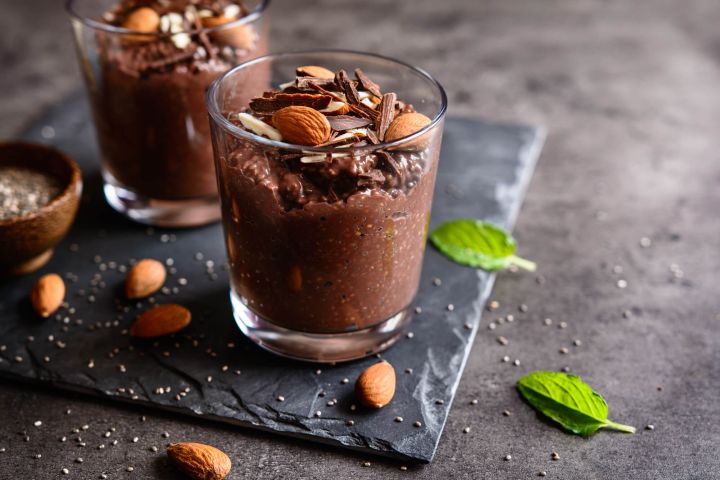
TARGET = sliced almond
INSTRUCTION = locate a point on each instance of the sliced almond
(199, 461)
(315, 71)
(302, 125)
(259, 127)
(48, 294)
(144, 278)
(161, 320)
(321, 157)
(375, 387)
(336, 108)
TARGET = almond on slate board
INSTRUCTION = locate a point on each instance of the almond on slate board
(375, 387)
(302, 125)
(161, 320)
(144, 278)
(199, 461)
(48, 294)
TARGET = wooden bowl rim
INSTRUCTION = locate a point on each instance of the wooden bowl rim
(68, 191)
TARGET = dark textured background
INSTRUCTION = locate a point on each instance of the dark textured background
(629, 93)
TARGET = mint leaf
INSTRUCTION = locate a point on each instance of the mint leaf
(478, 244)
(569, 401)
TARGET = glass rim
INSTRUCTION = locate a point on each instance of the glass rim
(255, 14)
(218, 118)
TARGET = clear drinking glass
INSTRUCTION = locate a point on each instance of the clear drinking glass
(332, 280)
(147, 95)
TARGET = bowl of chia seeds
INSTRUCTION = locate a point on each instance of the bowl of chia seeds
(40, 190)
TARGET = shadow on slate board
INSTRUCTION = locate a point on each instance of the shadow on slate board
(220, 375)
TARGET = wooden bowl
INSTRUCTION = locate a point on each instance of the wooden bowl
(27, 241)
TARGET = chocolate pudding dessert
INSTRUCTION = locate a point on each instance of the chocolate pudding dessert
(148, 98)
(328, 238)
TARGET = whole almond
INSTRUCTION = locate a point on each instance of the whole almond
(240, 36)
(314, 71)
(48, 294)
(161, 320)
(375, 387)
(302, 125)
(144, 278)
(199, 461)
(407, 124)
(143, 19)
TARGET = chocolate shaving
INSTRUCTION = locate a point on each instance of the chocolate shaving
(347, 122)
(370, 178)
(387, 113)
(307, 83)
(282, 100)
(204, 37)
(367, 84)
(346, 86)
(364, 111)
(326, 92)
(390, 163)
(342, 141)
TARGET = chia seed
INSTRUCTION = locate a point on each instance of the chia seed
(23, 191)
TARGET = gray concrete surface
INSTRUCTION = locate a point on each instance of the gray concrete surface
(629, 93)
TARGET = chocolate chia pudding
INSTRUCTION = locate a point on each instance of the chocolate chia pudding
(148, 97)
(328, 241)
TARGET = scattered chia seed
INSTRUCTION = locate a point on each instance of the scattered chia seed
(37, 423)
(153, 449)
(345, 381)
(468, 326)
(418, 310)
(417, 424)
(129, 469)
(408, 370)
(410, 335)
(507, 458)
(493, 305)
(627, 314)
(398, 419)
(474, 401)
(516, 362)
(562, 325)
(565, 369)
(23, 191)
(542, 473)
(466, 430)
(564, 350)
(318, 413)
(366, 464)
(502, 340)
(645, 242)
(523, 308)
(492, 326)
(506, 413)
(510, 318)
(37, 455)
(506, 359)
(280, 398)
(577, 342)
(403, 468)
(318, 371)
(450, 307)
(437, 282)
(135, 439)
(439, 402)
(65, 471)
(622, 283)
(547, 322)
(650, 427)
(79, 460)
(165, 435)
(555, 456)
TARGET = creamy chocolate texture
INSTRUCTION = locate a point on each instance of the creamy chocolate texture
(149, 99)
(327, 241)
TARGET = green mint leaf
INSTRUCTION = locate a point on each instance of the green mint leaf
(569, 401)
(478, 244)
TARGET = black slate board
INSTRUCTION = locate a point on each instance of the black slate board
(484, 171)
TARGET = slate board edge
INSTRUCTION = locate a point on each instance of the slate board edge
(530, 154)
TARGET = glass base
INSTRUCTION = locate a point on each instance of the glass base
(161, 213)
(318, 347)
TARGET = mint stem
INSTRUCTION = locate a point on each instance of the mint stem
(619, 426)
(522, 263)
